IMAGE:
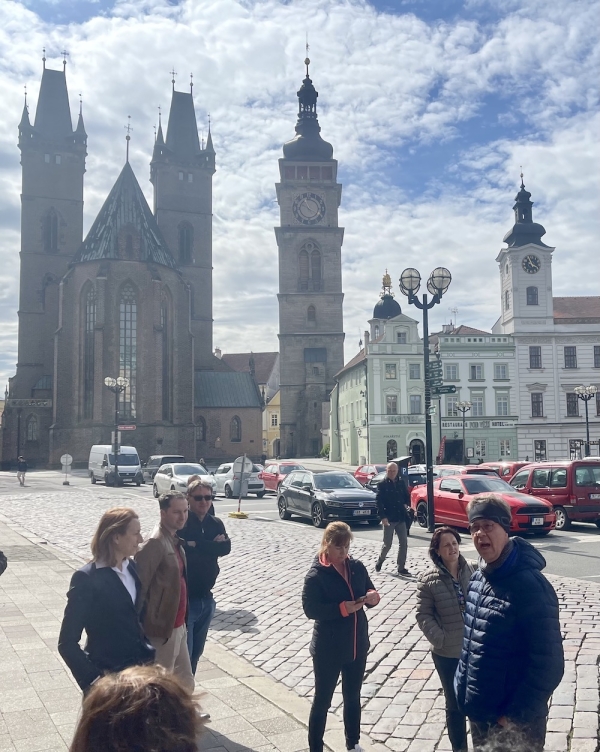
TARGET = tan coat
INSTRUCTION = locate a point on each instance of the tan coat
(438, 611)
(158, 570)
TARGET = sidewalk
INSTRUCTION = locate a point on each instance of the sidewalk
(40, 702)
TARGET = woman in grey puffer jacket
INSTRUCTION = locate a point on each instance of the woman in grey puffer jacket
(440, 607)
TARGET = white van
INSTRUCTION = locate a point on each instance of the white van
(101, 465)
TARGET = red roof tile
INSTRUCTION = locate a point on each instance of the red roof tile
(575, 310)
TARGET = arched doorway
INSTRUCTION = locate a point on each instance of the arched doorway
(417, 452)
(276, 449)
(392, 449)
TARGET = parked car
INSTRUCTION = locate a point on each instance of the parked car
(150, 467)
(451, 494)
(416, 477)
(441, 471)
(224, 480)
(571, 486)
(333, 495)
(365, 473)
(101, 465)
(274, 474)
(174, 477)
(505, 470)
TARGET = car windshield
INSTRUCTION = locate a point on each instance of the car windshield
(189, 470)
(125, 459)
(287, 469)
(336, 480)
(482, 484)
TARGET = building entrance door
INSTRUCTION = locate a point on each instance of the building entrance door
(417, 451)
(453, 454)
(392, 449)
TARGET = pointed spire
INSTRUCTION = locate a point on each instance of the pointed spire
(182, 130)
(159, 136)
(53, 113)
(80, 134)
(209, 142)
(25, 125)
(525, 230)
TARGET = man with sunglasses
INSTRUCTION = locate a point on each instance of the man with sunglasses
(205, 539)
(512, 654)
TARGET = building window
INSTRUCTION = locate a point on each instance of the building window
(391, 404)
(311, 314)
(504, 448)
(201, 429)
(415, 404)
(57, 159)
(51, 232)
(535, 356)
(570, 357)
(303, 270)
(575, 447)
(32, 428)
(47, 158)
(180, 175)
(390, 371)
(507, 300)
(166, 358)
(235, 429)
(128, 350)
(315, 268)
(502, 404)
(451, 372)
(190, 177)
(414, 371)
(572, 405)
(539, 450)
(451, 409)
(376, 331)
(401, 338)
(500, 371)
(537, 405)
(186, 242)
(480, 447)
(598, 402)
(274, 420)
(476, 372)
(532, 296)
(477, 406)
(596, 356)
(88, 353)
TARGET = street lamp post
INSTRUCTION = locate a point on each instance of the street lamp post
(118, 386)
(586, 393)
(463, 407)
(437, 284)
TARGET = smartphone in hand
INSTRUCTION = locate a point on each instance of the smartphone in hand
(362, 599)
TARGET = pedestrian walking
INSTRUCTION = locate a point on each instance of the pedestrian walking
(205, 540)
(163, 573)
(21, 470)
(336, 589)
(440, 615)
(512, 653)
(142, 708)
(103, 600)
(393, 503)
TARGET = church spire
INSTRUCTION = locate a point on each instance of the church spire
(80, 134)
(182, 129)
(525, 230)
(53, 113)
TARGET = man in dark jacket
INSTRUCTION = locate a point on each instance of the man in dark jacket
(393, 503)
(512, 655)
(205, 539)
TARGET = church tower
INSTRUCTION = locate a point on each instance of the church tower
(311, 336)
(181, 172)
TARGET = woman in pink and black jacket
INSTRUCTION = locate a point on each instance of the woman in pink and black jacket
(336, 590)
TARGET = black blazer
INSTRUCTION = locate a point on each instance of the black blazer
(99, 603)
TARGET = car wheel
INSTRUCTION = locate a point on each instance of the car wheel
(260, 494)
(282, 509)
(155, 491)
(138, 483)
(422, 514)
(316, 514)
(228, 491)
(562, 519)
(93, 479)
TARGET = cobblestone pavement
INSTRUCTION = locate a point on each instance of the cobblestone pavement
(259, 617)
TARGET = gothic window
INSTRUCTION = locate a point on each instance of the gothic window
(32, 428)
(51, 232)
(89, 324)
(128, 350)
(201, 429)
(303, 271)
(532, 296)
(235, 429)
(186, 241)
(310, 273)
(165, 324)
(311, 314)
(315, 268)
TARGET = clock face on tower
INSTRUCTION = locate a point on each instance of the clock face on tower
(308, 208)
(531, 264)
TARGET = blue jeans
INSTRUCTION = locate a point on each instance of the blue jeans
(200, 614)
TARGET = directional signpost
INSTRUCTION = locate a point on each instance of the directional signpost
(444, 389)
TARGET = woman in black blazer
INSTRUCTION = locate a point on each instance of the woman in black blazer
(103, 599)
(336, 589)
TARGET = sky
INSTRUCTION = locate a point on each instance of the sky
(431, 107)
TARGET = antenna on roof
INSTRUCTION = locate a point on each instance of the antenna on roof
(128, 128)
(454, 311)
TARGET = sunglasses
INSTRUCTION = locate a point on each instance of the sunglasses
(202, 498)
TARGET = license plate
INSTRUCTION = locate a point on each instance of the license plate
(362, 511)
(537, 521)
(594, 496)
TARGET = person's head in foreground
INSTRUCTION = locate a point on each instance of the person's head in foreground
(336, 542)
(141, 709)
(489, 524)
(444, 547)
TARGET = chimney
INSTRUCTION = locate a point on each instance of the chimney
(447, 328)
(366, 340)
(218, 352)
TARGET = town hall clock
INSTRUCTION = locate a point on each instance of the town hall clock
(308, 208)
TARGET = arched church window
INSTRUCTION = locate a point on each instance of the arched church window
(303, 270)
(89, 325)
(200, 429)
(532, 296)
(32, 428)
(165, 322)
(311, 314)
(128, 349)
(186, 241)
(50, 232)
(315, 268)
(235, 429)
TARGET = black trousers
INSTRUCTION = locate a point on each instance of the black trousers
(530, 736)
(327, 672)
(455, 720)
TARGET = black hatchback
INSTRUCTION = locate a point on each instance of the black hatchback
(323, 497)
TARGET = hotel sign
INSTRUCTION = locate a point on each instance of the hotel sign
(479, 424)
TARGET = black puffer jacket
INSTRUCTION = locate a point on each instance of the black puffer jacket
(512, 656)
(393, 500)
(340, 638)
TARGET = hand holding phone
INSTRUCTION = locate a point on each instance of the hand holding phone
(362, 599)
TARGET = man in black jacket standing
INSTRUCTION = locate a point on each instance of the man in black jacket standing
(393, 503)
(205, 539)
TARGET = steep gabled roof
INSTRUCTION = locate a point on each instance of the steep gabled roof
(264, 363)
(214, 389)
(126, 207)
(360, 357)
(577, 310)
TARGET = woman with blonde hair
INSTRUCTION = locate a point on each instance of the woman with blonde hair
(141, 709)
(103, 600)
(336, 589)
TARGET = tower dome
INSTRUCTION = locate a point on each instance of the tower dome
(387, 307)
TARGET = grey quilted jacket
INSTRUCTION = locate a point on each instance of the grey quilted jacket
(438, 611)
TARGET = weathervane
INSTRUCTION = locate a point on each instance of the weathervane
(307, 59)
(128, 128)
(44, 57)
(65, 54)
(191, 83)
(173, 74)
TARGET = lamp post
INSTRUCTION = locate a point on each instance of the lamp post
(437, 284)
(463, 407)
(586, 393)
(118, 386)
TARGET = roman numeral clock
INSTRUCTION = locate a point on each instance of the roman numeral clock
(308, 208)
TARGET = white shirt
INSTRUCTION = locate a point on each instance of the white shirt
(125, 576)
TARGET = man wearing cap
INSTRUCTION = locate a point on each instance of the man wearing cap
(512, 654)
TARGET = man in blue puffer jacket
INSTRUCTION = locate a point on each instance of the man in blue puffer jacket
(512, 656)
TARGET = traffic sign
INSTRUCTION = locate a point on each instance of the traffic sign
(66, 459)
(445, 389)
(127, 428)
